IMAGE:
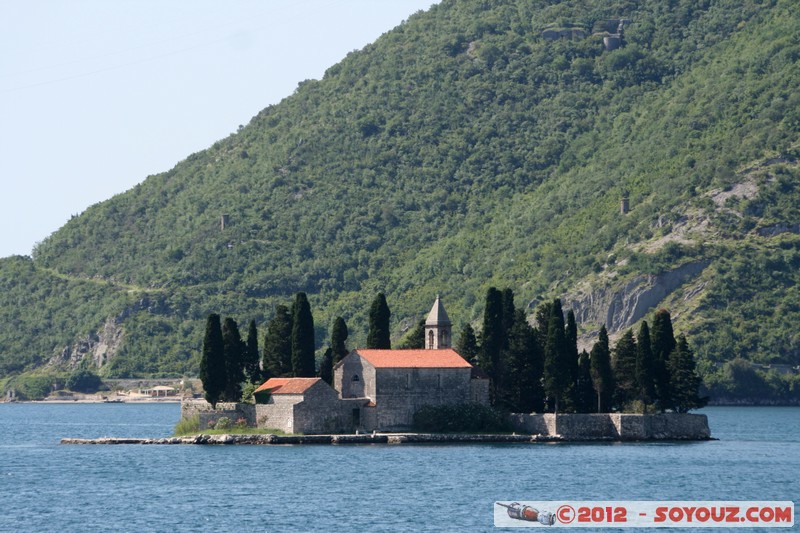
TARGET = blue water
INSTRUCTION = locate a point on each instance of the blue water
(45, 486)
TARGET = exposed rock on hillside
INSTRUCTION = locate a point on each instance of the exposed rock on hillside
(618, 307)
(99, 347)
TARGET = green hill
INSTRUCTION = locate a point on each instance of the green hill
(464, 150)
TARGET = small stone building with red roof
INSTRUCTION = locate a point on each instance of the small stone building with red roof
(304, 405)
(375, 389)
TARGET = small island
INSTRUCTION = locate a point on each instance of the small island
(419, 395)
(553, 428)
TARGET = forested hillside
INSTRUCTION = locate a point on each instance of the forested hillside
(463, 150)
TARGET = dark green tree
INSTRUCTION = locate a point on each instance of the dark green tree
(326, 367)
(378, 336)
(571, 360)
(585, 398)
(523, 363)
(663, 343)
(505, 365)
(233, 348)
(645, 380)
(543, 314)
(602, 376)
(277, 358)
(624, 367)
(509, 314)
(415, 338)
(83, 380)
(339, 336)
(556, 373)
(252, 369)
(303, 364)
(467, 345)
(492, 339)
(684, 380)
(212, 361)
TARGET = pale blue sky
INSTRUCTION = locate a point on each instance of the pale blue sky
(95, 95)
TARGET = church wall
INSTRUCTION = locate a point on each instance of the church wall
(401, 392)
(323, 412)
(353, 365)
(479, 391)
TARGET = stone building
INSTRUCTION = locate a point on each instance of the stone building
(399, 382)
(375, 389)
(304, 405)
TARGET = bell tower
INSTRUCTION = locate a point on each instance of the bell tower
(438, 329)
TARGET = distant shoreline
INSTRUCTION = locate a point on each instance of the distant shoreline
(100, 400)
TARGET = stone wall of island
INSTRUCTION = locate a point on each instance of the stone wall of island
(615, 426)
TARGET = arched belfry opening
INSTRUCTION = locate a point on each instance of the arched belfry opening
(438, 327)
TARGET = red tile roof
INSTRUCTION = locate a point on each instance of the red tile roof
(446, 358)
(287, 385)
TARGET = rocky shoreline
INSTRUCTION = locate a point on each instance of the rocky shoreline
(378, 438)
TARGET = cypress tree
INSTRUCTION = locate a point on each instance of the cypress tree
(571, 338)
(512, 365)
(492, 338)
(524, 367)
(326, 366)
(252, 370)
(585, 400)
(543, 313)
(212, 361)
(508, 314)
(624, 368)
(467, 345)
(339, 336)
(556, 373)
(379, 318)
(233, 348)
(303, 364)
(645, 380)
(506, 365)
(277, 358)
(684, 380)
(663, 343)
(600, 367)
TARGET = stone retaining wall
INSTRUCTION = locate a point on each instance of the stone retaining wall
(615, 426)
(573, 427)
(598, 427)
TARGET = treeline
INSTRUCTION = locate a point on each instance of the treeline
(537, 369)
(531, 369)
(231, 369)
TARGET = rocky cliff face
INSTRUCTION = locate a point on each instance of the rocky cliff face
(99, 347)
(102, 345)
(620, 306)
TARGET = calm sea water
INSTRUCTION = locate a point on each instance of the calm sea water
(45, 486)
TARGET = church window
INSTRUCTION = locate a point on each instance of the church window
(430, 340)
(355, 377)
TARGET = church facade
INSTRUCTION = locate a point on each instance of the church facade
(375, 390)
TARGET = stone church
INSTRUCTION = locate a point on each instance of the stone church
(375, 390)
